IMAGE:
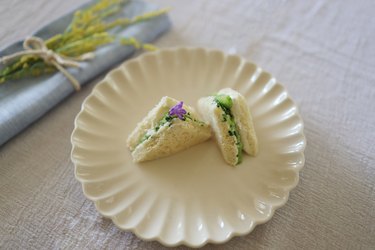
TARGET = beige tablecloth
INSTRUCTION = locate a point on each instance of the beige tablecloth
(322, 51)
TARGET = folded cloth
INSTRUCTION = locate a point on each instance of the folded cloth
(25, 100)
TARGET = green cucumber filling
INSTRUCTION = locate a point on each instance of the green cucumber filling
(225, 103)
(167, 121)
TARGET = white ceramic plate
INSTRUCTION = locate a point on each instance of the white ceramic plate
(192, 197)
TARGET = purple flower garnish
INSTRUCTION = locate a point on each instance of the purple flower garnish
(178, 111)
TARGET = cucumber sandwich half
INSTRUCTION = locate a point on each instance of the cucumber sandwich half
(229, 116)
(168, 128)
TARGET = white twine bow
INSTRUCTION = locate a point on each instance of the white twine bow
(36, 46)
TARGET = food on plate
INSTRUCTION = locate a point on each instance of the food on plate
(168, 128)
(229, 116)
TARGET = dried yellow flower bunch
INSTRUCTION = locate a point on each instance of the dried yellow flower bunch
(87, 31)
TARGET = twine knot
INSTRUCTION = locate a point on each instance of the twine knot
(49, 56)
(35, 46)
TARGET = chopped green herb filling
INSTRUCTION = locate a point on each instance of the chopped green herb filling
(167, 119)
(225, 103)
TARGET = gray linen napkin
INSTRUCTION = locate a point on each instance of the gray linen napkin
(24, 101)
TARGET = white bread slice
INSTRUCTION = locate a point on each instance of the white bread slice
(170, 138)
(242, 116)
(214, 116)
(152, 119)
